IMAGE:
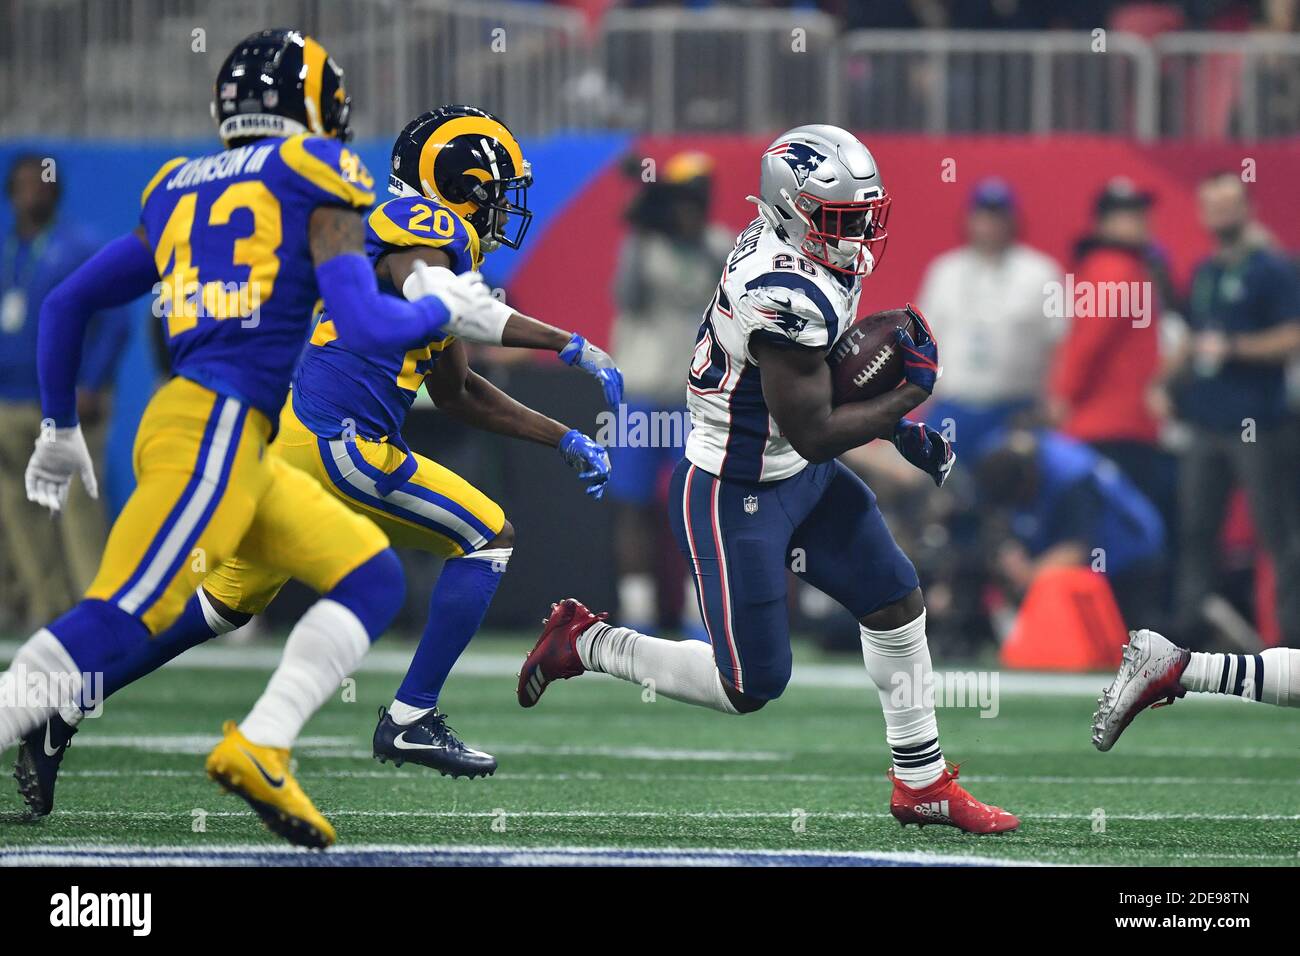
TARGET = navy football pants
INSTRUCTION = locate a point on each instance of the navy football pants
(738, 539)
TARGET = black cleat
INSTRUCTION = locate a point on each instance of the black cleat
(37, 766)
(430, 743)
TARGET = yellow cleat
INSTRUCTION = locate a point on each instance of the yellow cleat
(261, 776)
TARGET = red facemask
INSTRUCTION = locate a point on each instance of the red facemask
(841, 234)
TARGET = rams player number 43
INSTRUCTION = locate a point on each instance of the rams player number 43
(238, 246)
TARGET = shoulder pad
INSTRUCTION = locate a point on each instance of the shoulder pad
(417, 221)
(159, 176)
(335, 171)
(809, 316)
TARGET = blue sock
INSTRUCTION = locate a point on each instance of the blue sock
(374, 592)
(96, 634)
(460, 599)
(189, 630)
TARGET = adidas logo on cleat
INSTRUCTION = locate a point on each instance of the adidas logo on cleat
(935, 810)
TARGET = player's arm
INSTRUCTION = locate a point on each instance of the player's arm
(121, 271)
(797, 389)
(470, 398)
(518, 332)
(506, 326)
(366, 319)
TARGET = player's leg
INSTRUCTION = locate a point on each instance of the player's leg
(435, 510)
(302, 531)
(845, 549)
(734, 538)
(1155, 671)
(41, 753)
(199, 474)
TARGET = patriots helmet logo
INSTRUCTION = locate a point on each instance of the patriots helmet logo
(800, 157)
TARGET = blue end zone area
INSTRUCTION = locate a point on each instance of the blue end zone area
(381, 855)
(101, 191)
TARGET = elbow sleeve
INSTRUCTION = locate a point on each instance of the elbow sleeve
(121, 271)
(368, 320)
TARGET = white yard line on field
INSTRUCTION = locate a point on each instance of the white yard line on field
(343, 747)
(492, 664)
(414, 773)
(92, 854)
(666, 815)
(265, 854)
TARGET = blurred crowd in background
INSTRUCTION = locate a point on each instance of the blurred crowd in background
(1109, 412)
(1137, 16)
(1103, 417)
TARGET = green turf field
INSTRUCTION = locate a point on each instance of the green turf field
(593, 766)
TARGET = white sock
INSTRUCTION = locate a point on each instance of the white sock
(326, 646)
(682, 670)
(41, 680)
(405, 714)
(898, 662)
(1240, 675)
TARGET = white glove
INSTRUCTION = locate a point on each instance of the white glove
(60, 453)
(475, 314)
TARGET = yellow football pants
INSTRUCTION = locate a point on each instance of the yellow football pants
(206, 490)
(435, 510)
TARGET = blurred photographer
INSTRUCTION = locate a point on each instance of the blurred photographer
(667, 271)
(1228, 385)
(49, 562)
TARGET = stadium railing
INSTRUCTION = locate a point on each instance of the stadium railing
(949, 82)
(142, 69)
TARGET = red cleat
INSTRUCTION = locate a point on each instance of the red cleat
(948, 803)
(555, 655)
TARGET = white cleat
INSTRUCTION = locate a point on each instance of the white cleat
(1148, 676)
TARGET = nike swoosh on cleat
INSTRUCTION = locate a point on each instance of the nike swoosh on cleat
(401, 743)
(50, 749)
(272, 781)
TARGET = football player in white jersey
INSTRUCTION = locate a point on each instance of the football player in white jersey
(760, 483)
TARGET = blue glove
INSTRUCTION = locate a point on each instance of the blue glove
(595, 361)
(920, 354)
(926, 448)
(591, 460)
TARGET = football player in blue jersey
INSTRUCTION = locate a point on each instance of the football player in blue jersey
(461, 180)
(236, 246)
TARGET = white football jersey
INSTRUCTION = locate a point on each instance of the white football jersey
(768, 288)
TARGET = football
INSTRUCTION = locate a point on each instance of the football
(865, 361)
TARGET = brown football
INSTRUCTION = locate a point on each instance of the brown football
(865, 360)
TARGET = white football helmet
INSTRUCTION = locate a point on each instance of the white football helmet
(821, 188)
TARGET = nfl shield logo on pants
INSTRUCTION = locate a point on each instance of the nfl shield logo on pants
(751, 504)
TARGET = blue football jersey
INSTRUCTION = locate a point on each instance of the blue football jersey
(229, 233)
(337, 390)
